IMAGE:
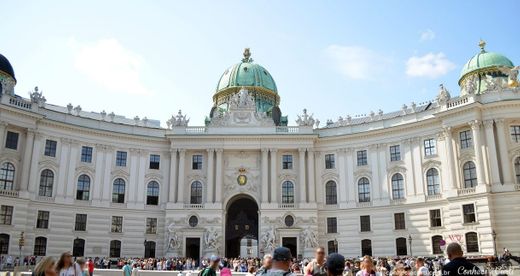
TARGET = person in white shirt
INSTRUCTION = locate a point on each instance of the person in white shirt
(422, 270)
(66, 267)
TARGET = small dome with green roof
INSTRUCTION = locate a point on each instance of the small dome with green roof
(481, 65)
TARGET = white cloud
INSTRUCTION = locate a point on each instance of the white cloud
(430, 65)
(110, 65)
(356, 62)
(427, 35)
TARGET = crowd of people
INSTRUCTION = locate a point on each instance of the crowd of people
(280, 263)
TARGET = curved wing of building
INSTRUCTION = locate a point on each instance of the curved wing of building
(386, 184)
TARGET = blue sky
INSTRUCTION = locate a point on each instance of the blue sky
(152, 58)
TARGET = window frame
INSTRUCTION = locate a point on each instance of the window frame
(470, 246)
(121, 158)
(465, 139)
(401, 244)
(467, 216)
(45, 188)
(50, 148)
(43, 221)
(115, 247)
(40, 248)
(397, 186)
(7, 176)
(433, 188)
(6, 214)
(12, 139)
(151, 226)
(430, 147)
(287, 162)
(80, 226)
(516, 165)
(366, 248)
(366, 190)
(331, 198)
(469, 175)
(362, 158)
(399, 225)
(436, 250)
(154, 162)
(196, 192)
(365, 224)
(84, 193)
(86, 154)
(332, 225)
(197, 161)
(153, 193)
(330, 161)
(395, 153)
(434, 219)
(514, 130)
(116, 225)
(119, 196)
(288, 192)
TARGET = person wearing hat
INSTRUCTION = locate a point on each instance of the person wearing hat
(211, 270)
(282, 260)
(335, 264)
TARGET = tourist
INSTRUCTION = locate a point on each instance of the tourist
(347, 271)
(224, 268)
(367, 267)
(317, 266)
(45, 267)
(267, 262)
(250, 271)
(127, 270)
(66, 267)
(422, 270)
(458, 265)
(82, 265)
(90, 266)
(282, 259)
(211, 270)
(335, 264)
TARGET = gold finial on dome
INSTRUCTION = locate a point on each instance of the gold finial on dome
(482, 45)
(247, 55)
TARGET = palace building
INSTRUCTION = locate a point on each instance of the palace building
(250, 179)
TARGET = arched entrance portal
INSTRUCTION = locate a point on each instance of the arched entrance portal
(241, 223)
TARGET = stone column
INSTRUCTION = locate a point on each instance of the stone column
(274, 176)
(180, 174)
(26, 162)
(99, 151)
(342, 176)
(265, 175)
(210, 182)
(63, 167)
(312, 178)
(505, 162)
(134, 169)
(301, 172)
(141, 185)
(351, 185)
(492, 152)
(34, 179)
(475, 128)
(109, 166)
(374, 165)
(383, 180)
(71, 175)
(452, 171)
(219, 176)
(3, 128)
(417, 165)
(172, 197)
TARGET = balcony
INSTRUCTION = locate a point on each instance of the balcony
(9, 193)
(398, 201)
(45, 198)
(466, 191)
(286, 205)
(364, 204)
(433, 197)
(193, 206)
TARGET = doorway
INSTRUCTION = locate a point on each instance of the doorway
(291, 243)
(241, 221)
(149, 249)
(193, 249)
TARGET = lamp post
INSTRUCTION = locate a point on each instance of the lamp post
(21, 243)
(144, 244)
(494, 235)
(410, 244)
(335, 245)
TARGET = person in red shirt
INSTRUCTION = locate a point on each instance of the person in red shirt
(90, 265)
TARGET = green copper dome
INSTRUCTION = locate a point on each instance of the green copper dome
(484, 61)
(246, 73)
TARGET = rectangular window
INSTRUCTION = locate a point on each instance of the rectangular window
(435, 218)
(43, 220)
(465, 139)
(362, 159)
(395, 153)
(6, 215)
(151, 225)
(330, 163)
(468, 211)
(287, 162)
(515, 133)
(50, 148)
(196, 163)
(332, 225)
(155, 160)
(121, 158)
(86, 154)
(81, 222)
(117, 224)
(399, 222)
(11, 141)
(364, 223)
(429, 147)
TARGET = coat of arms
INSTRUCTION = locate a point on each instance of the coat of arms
(242, 178)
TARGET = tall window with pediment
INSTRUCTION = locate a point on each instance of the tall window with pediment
(517, 170)
(196, 192)
(470, 174)
(287, 192)
(152, 193)
(397, 186)
(46, 181)
(83, 188)
(7, 176)
(364, 189)
(433, 183)
(118, 191)
(331, 195)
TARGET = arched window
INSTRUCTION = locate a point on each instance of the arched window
(4, 244)
(364, 190)
(397, 186)
(40, 246)
(287, 192)
(472, 242)
(149, 249)
(331, 194)
(46, 181)
(83, 188)
(436, 244)
(470, 174)
(78, 248)
(433, 183)
(118, 191)
(196, 193)
(366, 247)
(332, 246)
(152, 193)
(115, 249)
(517, 170)
(400, 247)
(6, 176)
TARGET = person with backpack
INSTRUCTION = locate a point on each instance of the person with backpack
(211, 270)
(282, 259)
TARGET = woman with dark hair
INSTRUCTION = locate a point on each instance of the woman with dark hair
(66, 267)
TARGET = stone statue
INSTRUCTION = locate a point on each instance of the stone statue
(242, 99)
(444, 95)
(470, 85)
(37, 97)
(492, 83)
(269, 240)
(173, 239)
(512, 75)
(179, 120)
(211, 239)
(305, 119)
(310, 240)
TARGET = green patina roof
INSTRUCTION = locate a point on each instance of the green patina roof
(485, 60)
(246, 73)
